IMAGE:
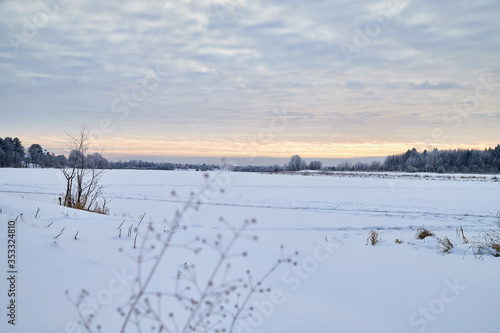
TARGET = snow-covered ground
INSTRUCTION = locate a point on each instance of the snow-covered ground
(339, 284)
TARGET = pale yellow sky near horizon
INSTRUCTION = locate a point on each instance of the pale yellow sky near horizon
(157, 147)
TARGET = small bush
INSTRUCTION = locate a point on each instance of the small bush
(79, 205)
(423, 232)
(445, 245)
(487, 242)
(373, 238)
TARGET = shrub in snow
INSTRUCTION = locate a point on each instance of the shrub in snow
(487, 242)
(444, 245)
(315, 165)
(423, 232)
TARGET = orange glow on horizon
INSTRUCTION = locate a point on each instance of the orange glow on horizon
(240, 148)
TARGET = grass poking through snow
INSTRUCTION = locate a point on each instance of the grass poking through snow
(373, 238)
(422, 233)
(461, 236)
(444, 245)
(487, 242)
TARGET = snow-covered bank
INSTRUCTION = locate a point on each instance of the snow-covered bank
(339, 284)
(402, 175)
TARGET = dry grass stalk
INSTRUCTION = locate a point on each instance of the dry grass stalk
(60, 232)
(121, 225)
(461, 236)
(373, 238)
(135, 238)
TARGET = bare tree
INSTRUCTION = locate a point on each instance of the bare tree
(82, 175)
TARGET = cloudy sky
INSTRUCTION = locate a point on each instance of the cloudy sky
(240, 78)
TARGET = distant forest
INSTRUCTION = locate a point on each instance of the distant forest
(441, 161)
(14, 155)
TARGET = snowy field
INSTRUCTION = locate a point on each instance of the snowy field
(339, 284)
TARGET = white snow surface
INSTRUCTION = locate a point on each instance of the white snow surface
(339, 284)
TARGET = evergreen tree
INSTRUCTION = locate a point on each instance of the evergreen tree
(35, 155)
(12, 154)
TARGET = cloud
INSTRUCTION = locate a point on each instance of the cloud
(437, 86)
(354, 85)
(222, 65)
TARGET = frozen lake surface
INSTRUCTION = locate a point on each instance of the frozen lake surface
(338, 285)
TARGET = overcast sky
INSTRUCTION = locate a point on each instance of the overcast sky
(251, 78)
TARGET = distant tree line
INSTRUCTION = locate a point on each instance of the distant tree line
(296, 163)
(440, 161)
(14, 155)
(144, 165)
(258, 168)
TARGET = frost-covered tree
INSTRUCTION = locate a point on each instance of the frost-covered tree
(457, 160)
(296, 163)
(76, 158)
(96, 160)
(315, 165)
(60, 161)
